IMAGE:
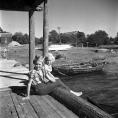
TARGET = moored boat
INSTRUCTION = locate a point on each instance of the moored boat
(75, 68)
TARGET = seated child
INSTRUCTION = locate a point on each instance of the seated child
(42, 79)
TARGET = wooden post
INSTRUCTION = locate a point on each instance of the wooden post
(45, 29)
(59, 35)
(31, 39)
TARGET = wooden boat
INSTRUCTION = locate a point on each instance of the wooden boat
(75, 68)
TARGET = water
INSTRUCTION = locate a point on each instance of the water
(101, 88)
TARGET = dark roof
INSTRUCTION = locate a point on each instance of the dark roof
(19, 5)
(5, 34)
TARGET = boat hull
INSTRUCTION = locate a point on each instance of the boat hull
(77, 69)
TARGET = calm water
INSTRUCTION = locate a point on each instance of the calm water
(101, 88)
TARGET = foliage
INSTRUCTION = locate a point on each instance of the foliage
(38, 40)
(116, 39)
(98, 38)
(24, 38)
(18, 36)
(81, 37)
(68, 38)
(77, 38)
(53, 36)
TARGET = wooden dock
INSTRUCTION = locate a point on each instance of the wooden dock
(12, 106)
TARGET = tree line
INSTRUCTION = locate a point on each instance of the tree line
(78, 38)
(75, 38)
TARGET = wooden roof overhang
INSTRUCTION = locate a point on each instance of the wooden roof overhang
(19, 5)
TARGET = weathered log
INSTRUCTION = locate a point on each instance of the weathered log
(79, 105)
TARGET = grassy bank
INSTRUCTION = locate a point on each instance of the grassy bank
(21, 54)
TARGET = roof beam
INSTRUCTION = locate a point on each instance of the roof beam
(19, 5)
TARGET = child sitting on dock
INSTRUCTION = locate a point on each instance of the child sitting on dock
(48, 66)
(42, 83)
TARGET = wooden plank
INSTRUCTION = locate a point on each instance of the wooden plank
(4, 93)
(59, 108)
(47, 109)
(5, 89)
(53, 107)
(7, 109)
(55, 110)
(27, 108)
(38, 108)
(18, 107)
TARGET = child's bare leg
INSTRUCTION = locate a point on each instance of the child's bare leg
(67, 88)
(76, 93)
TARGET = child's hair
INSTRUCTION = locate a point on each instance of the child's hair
(50, 57)
(47, 58)
(38, 58)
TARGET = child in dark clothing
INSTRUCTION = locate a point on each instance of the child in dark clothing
(42, 79)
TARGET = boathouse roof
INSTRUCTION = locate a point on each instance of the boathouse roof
(19, 5)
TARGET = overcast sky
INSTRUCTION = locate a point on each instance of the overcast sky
(71, 15)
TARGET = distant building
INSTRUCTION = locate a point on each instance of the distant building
(5, 38)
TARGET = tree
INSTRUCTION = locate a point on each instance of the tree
(18, 36)
(81, 37)
(21, 38)
(38, 40)
(116, 39)
(98, 38)
(25, 39)
(67, 38)
(53, 36)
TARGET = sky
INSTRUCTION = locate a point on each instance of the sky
(86, 16)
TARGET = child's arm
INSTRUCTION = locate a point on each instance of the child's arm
(48, 74)
(50, 77)
(29, 88)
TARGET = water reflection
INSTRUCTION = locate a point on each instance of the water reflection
(100, 88)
